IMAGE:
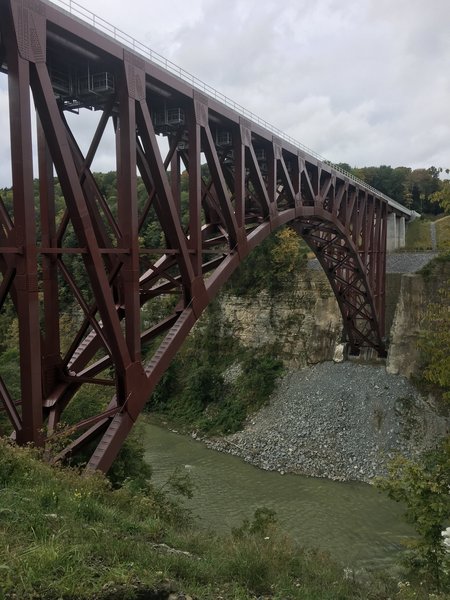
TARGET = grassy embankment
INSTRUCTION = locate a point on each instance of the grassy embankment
(67, 537)
(443, 233)
(418, 234)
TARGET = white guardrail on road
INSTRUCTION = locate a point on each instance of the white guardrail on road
(80, 12)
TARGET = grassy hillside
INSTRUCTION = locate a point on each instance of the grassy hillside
(418, 237)
(418, 233)
(443, 233)
(66, 537)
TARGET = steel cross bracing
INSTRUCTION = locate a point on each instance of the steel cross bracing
(66, 244)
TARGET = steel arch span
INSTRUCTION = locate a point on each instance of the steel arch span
(67, 244)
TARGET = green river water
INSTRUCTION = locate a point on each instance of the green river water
(356, 523)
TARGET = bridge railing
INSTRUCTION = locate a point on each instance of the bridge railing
(80, 12)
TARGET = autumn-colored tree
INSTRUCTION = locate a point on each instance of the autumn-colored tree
(271, 265)
(287, 252)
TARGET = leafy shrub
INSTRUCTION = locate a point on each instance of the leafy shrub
(270, 266)
(259, 374)
(424, 489)
(130, 463)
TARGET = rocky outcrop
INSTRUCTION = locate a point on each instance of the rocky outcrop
(403, 357)
(341, 421)
(417, 292)
(304, 325)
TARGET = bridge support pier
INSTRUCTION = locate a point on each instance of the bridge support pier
(395, 232)
(401, 229)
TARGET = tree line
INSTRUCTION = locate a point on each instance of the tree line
(421, 190)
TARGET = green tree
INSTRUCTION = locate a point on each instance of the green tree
(391, 182)
(423, 183)
(442, 196)
(345, 167)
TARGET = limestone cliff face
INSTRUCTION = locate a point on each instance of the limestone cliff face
(305, 324)
(403, 357)
(417, 292)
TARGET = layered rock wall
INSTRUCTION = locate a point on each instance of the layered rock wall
(417, 292)
(304, 325)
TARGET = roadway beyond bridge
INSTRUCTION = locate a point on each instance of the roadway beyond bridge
(93, 251)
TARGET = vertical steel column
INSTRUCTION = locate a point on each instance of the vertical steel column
(272, 179)
(381, 283)
(239, 177)
(51, 343)
(127, 208)
(26, 280)
(175, 179)
(195, 193)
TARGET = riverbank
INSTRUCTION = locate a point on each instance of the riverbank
(68, 537)
(357, 524)
(343, 421)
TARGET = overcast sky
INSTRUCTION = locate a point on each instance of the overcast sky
(365, 82)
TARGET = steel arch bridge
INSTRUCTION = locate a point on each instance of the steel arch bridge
(94, 250)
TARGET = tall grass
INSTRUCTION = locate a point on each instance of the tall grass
(418, 236)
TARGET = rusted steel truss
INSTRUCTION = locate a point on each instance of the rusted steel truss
(66, 244)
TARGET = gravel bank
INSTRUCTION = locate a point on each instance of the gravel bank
(343, 421)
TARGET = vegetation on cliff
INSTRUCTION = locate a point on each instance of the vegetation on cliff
(435, 329)
(215, 382)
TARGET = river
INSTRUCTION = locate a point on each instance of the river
(356, 523)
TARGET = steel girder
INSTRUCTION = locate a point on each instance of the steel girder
(129, 299)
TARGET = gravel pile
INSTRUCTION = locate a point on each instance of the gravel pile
(341, 421)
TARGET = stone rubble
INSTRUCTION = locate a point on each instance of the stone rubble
(340, 421)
